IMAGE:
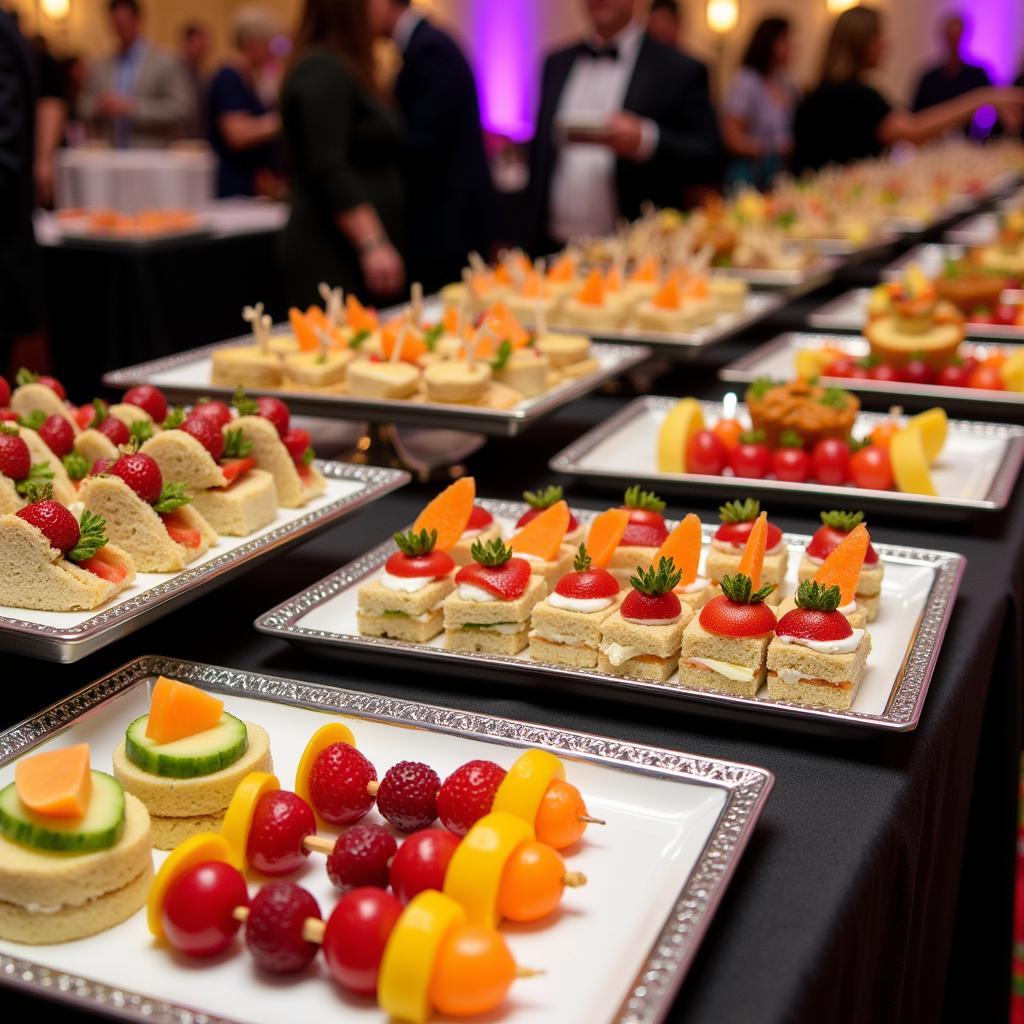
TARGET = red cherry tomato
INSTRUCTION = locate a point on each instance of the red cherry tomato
(981, 315)
(986, 376)
(751, 459)
(706, 453)
(839, 367)
(791, 464)
(954, 376)
(421, 862)
(830, 461)
(917, 371)
(198, 910)
(870, 467)
(885, 372)
(356, 934)
(728, 432)
(1005, 314)
(881, 436)
(5, 391)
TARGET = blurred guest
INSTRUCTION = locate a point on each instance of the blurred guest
(622, 120)
(138, 96)
(243, 131)
(449, 194)
(344, 146)
(954, 76)
(19, 259)
(846, 119)
(51, 116)
(665, 22)
(195, 51)
(758, 122)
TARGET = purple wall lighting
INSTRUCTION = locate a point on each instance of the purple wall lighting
(993, 29)
(505, 52)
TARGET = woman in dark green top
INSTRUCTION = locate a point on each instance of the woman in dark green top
(342, 140)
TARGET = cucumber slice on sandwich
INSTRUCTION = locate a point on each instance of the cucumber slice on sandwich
(204, 753)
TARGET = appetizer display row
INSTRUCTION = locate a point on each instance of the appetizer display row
(146, 224)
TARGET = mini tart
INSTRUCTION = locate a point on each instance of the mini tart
(179, 808)
(891, 344)
(527, 371)
(294, 488)
(491, 627)
(797, 673)
(35, 575)
(650, 317)
(135, 527)
(27, 398)
(561, 636)
(564, 350)
(316, 370)
(39, 451)
(727, 664)
(638, 651)
(728, 294)
(455, 381)
(93, 891)
(243, 507)
(415, 616)
(369, 379)
(524, 308)
(611, 315)
(246, 366)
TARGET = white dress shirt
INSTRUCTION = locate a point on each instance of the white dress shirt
(583, 198)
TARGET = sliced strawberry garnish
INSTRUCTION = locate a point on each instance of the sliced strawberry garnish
(111, 571)
(83, 415)
(644, 534)
(480, 519)
(587, 584)
(647, 607)
(807, 624)
(235, 468)
(433, 564)
(507, 581)
(729, 618)
(181, 534)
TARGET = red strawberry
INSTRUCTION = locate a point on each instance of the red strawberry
(58, 434)
(113, 428)
(84, 415)
(276, 411)
(646, 527)
(738, 519)
(15, 461)
(729, 618)
(102, 466)
(207, 433)
(646, 607)
(141, 474)
(407, 796)
(5, 391)
(296, 440)
(467, 795)
(54, 385)
(479, 518)
(219, 412)
(234, 468)
(507, 581)
(416, 557)
(829, 536)
(541, 500)
(147, 397)
(586, 584)
(54, 521)
(8, 416)
(814, 625)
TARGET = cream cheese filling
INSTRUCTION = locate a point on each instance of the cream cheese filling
(726, 669)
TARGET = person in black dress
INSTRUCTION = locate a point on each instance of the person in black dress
(450, 196)
(243, 130)
(846, 119)
(954, 76)
(343, 143)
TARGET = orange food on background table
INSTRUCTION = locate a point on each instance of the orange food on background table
(668, 296)
(413, 345)
(604, 535)
(359, 317)
(448, 513)
(728, 432)
(613, 279)
(55, 783)
(177, 710)
(303, 330)
(697, 287)
(563, 269)
(592, 292)
(646, 271)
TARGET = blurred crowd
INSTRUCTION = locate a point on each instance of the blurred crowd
(388, 175)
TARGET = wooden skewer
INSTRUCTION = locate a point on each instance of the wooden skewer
(318, 844)
(396, 355)
(574, 879)
(416, 301)
(529, 972)
(253, 315)
(591, 820)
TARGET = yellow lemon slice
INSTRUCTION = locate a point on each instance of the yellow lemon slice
(333, 732)
(198, 849)
(238, 817)
(682, 422)
(909, 463)
(933, 426)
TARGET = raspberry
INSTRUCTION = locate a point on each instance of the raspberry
(113, 428)
(55, 522)
(360, 857)
(141, 474)
(407, 796)
(280, 822)
(296, 440)
(467, 794)
(147, 397)
(5, 391)
(276, 411)
(212, 410)
(338, 784)
(15, 461)
(58, 434)
(273, 931)
(207, 433)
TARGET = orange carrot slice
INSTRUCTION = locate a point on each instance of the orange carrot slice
(668, 295)
(413, 345)
(842, 567)
(450, 320)
(55, 783)
(683, 545)
(359, 317)
(177, 710)
(613, 280)
(605, 532)
(563, 269)
(543, 535)
(315, 315)
(752, 559)
(449, 513)
(507, 328)
(303, 330)
(646, 271)
(533, 286)
(592, 292)
(697, 288)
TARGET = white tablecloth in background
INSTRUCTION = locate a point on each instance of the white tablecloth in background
(129, 180)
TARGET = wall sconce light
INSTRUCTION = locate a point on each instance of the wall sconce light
(55, 10)
(838, 6)
(722, 15)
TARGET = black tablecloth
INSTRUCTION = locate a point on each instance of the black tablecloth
(878, 885)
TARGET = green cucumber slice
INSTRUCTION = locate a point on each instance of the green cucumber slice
(202, 754)
(99, 829)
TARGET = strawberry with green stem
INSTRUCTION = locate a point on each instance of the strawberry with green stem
(646, 527)
(816, 616)
(835, 528)
(540, 500)
(653, 601)
(417, 558)
(16, 461)
(141, 473)
(495, 570)
(739, 611)
(586, 582)
(738, 518)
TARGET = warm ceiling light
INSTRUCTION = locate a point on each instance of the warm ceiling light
(56, 10)
(838, 6)
(722, 15)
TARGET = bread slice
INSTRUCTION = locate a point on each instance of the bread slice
(552, 652)
(796, 673)
(369, 379)
(35, 575)
(246, 366)
(626, 558)
(243, 507)
(10, 499)
(310, 369)
(415, 629)
(93, 446)
(169, 832)
(643, 652)
(552, 571)
(726, 664)
(375, 600)
(293, 489)
(135, 527)
(486, 641)
(696, 676)
(205, 794)
(564, 637)
(459, 613)
(29, 397)
(184, 459)
(40, 451)
(462, 552)
(869, 583)
(725, 563)
(129, 414)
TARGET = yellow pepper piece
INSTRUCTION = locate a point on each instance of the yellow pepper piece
(909, 462)
(198, 849)
(473, 878)
(333, 732)
(933, 427)
(403, 984)
(681, 422)
(523, 788)
(238, 817)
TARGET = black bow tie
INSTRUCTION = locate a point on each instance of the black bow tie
(609, 52)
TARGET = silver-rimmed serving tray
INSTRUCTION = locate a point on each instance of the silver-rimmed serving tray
(67, 637)
(917, 601)
(622, 450)
(186, 376)
(977, 230)
(794, 282)
(777, 359)
(848, 312)
(682, 823)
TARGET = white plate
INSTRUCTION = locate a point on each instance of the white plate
(676, 828)
(68, 636)
(919, 587)
(976, 470)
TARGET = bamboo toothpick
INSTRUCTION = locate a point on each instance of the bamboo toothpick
(396, 355)
(253, 315)
(416, 302)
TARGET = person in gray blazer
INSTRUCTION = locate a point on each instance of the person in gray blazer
(140, 95)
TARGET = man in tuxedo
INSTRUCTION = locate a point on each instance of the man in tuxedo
(449, 193)
(622, 120)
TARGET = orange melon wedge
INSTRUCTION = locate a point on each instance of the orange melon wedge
(507, 328)
(303, 330)
(842, 567)
(359, 317)
(449, 513)
(697, 288)
(315, 315)
(646, 271)
(752, 559)
(613, 280)
(683, 545)
(55, 783)
(592, 292)
(533, 286)
(563, 269)
(502, 275)
(450, 320)
(413, 345)
(543, 535)
(668, 295)
(604, 535)
(177, 710)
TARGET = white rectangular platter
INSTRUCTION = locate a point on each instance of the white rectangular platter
(777, 359)
(918, 592)
(976, 471)
(677, 827)
(68, 636)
